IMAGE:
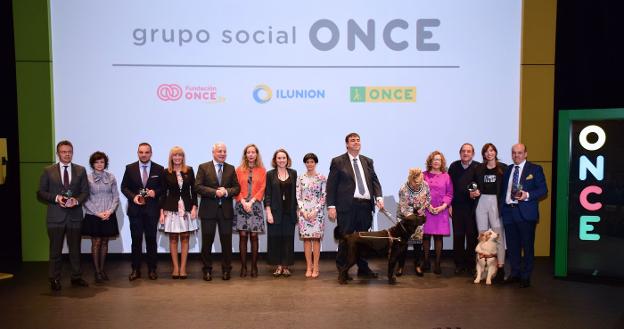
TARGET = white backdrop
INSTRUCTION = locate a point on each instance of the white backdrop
(119, 68)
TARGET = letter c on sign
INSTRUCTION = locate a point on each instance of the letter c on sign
(591, 206)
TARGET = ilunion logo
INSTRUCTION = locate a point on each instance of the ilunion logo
(262, 94)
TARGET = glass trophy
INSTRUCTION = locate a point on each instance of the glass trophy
(516, 191)
(67, 198)
(142, 196)
(472, 187)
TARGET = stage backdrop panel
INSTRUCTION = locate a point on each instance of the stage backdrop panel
(408, 76)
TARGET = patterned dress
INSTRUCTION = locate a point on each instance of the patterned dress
(254, 221)
(441, 189)
(411, 200)
(311, 193)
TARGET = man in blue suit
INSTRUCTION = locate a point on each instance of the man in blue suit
(523, 186)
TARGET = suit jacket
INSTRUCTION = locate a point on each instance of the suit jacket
(51, 185)
(273, 195)
(206, 184)
(132, 183)
(172, 192)
(341, 182)
(534, 182)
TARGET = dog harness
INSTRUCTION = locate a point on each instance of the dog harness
(486, 256)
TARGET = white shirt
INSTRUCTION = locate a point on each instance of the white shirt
(62, 171)
(356, 194)
(508, 198)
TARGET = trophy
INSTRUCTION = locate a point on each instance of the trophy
(473, 187)
(516, 191)
(67, 199)
(142, 196)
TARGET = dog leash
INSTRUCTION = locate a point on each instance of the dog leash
(389, 216)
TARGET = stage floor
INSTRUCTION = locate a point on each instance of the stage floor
(444, 301)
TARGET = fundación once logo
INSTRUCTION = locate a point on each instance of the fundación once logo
(383, 94)
(174, 92)
(263, 93)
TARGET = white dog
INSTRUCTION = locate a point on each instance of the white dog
(486, 256)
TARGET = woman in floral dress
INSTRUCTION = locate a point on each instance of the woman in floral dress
(311, 212)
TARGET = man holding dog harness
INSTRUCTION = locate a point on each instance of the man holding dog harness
(353, 190)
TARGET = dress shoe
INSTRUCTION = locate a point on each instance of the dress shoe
(98, 277)
(226, 276)
(368, 274)
(399, 271)
(207, 276)
(525, 283)
(512, 280)
(80, 282)
(55, 285)
(134, 275)
(152, 275)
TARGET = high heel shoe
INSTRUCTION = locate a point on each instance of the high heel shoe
(278, 272)
(243, 271)
(254, 271)
(399, 271)
(315, 273)
(436, 268)
(286, 272)
(98, 277)
(308, 273)
(419, 271)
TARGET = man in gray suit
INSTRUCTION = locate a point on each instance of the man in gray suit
(64, 188)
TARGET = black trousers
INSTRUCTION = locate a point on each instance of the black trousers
(139, 226)
(464, 235)
(57, 233)
(209, 228)
(358, 219)
(281, 242)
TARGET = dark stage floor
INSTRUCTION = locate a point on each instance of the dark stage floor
(444, 301)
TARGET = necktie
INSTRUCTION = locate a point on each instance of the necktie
(65, 178)
(358, 177)
(220, 172)
(144, 176)
(514, 181)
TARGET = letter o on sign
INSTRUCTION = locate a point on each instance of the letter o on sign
(602, 138)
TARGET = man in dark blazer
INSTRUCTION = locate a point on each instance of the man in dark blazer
(353, 190)
(523, 185)
(142, 186)
(463, 210)
(217, 184)
(64, 188)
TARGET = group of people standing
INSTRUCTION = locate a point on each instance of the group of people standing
(240, 199)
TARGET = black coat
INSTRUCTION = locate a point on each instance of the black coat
(172, 192)
(273, 195)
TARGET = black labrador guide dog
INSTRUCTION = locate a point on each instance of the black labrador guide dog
(389, 242)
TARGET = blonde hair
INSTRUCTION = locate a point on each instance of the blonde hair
(244, 163)
(177, 150)
(430, 161)
(415, 174)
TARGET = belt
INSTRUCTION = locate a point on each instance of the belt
(511, 205)
(361, 200)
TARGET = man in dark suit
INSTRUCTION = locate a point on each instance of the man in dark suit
(522, 187)
(353, 189)
(141, 184)
(463, 210)
(64, 188)
(217, 185)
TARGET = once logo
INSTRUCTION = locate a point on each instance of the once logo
(169, 92)
(262, 94)
(382, 94)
